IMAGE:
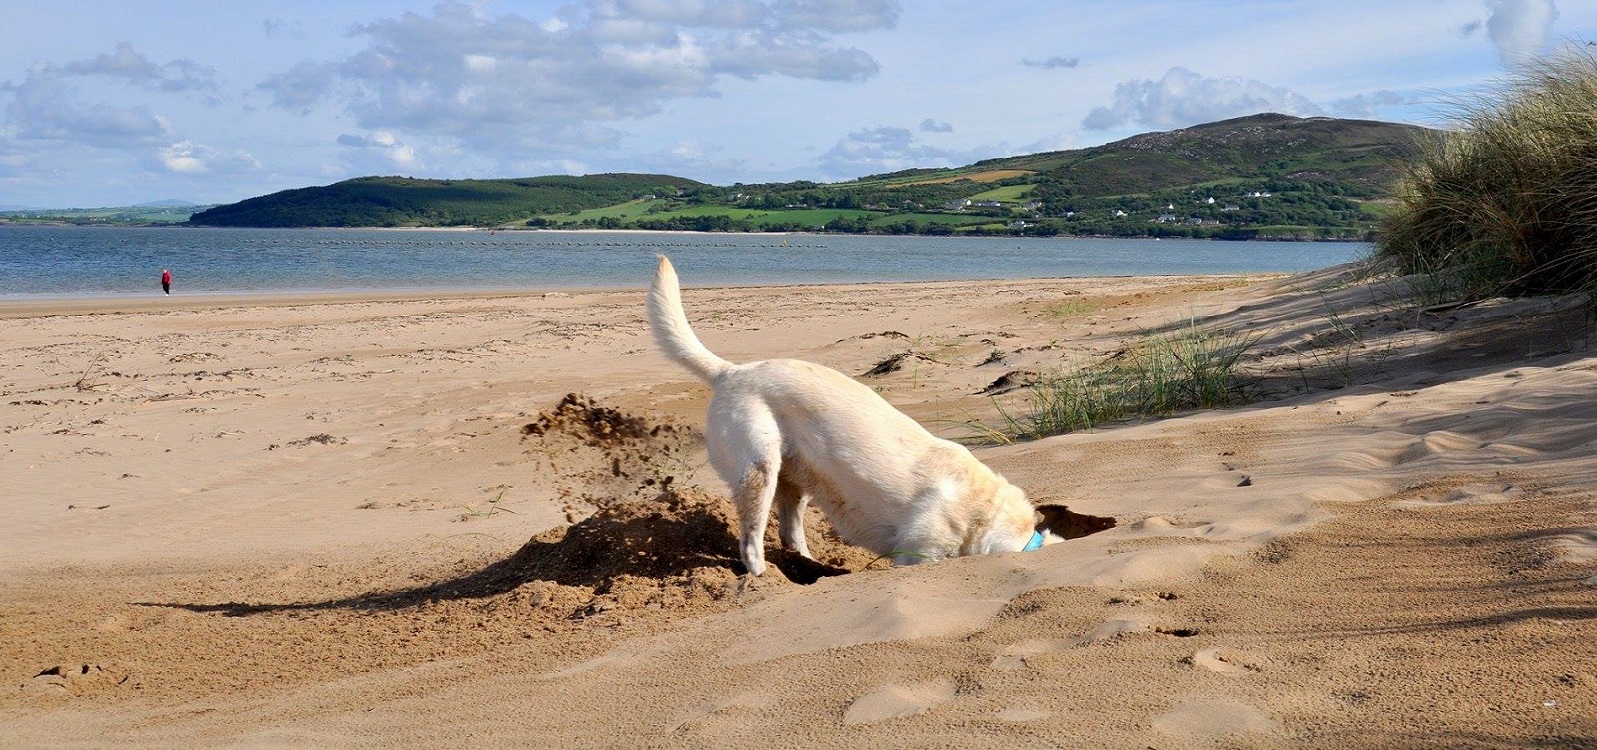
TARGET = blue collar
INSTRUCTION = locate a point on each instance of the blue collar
(1035, 543)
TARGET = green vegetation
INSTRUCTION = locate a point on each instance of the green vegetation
(115, 216)
(1260, 176)
(1507, 204)
(1191, 368)
(1005, 194)
(1074, 307)
(407, 202)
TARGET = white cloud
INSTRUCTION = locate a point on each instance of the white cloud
(929, 125)
(300, 87)
(15, 161)
(1519, 27)
(42, 108)
(712, 13)
(180, 157)
(273, 27)
(391, 151)
(1183, 98)
(45, 106)
(889, 149)
(187, 157)
(689, 157)
(1368, 105)
(836, 15)
(691, 151)
(1057, 61)
(481, 63)
(508, 83)
(130, 65)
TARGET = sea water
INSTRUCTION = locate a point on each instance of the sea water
(57, 261)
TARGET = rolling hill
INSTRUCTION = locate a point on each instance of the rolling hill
(1358, 154)
(1266, 175)
(405, 201)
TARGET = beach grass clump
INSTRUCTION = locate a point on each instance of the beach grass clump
(1190, 368)
(1507, 203)
(1073, 307)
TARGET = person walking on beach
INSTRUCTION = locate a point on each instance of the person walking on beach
(166, 282)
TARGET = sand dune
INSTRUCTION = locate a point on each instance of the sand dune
(378, 522)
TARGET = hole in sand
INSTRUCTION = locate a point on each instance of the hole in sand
(1065, 523)
(1177, 632)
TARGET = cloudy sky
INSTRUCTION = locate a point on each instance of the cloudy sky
(108, 102)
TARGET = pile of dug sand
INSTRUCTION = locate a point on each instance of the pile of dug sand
(673, 553)
(649, 543)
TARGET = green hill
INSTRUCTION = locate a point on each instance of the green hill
(1358, 154)
(1265, 175)
(408, 202)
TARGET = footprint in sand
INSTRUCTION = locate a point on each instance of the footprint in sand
(1471, 494)
(897, 701)
(1214, 720)
(1435, 443)
(1224, 661)
(721, 709)
(1111, 629)
(1577, 547)
(1018, 714)
(77, 679)
(1018, 655)
(1162, 525)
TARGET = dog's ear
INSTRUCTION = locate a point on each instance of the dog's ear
(1068, 524)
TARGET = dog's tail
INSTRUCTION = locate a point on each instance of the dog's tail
(670, 327)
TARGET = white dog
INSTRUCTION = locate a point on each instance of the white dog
(784, 432)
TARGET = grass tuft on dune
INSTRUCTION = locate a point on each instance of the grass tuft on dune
(1507, 204)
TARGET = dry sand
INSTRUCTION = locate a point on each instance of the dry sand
(378, 522)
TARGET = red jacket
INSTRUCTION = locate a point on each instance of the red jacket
(166, 277)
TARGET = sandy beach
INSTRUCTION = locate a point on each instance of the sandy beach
(379, 521)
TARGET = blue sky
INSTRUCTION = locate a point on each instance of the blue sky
(113, 103)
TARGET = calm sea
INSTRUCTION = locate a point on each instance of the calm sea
(106, 261)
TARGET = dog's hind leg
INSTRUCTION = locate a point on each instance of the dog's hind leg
(790, 504)
(753, 495)
(746, 450)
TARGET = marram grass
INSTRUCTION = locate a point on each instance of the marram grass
(1507, 204)
(1190, 368)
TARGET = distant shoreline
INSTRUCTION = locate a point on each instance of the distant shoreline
(14, 307)
(692, 232)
